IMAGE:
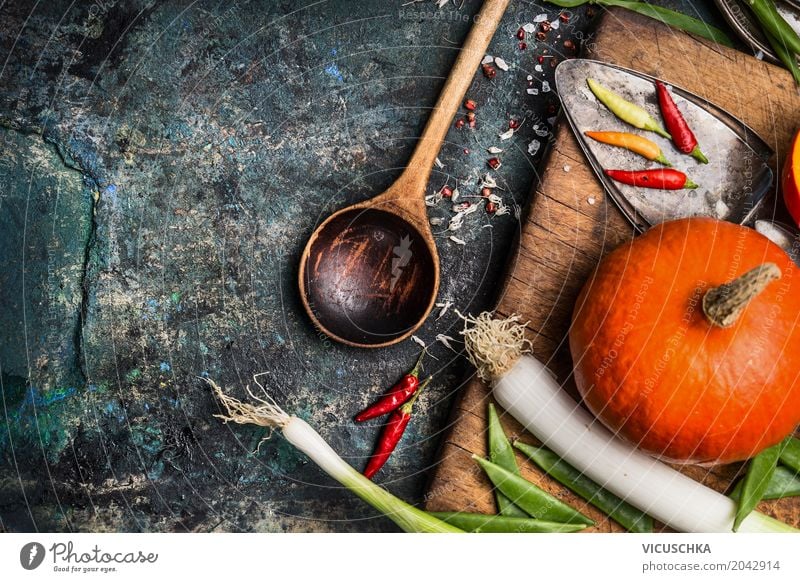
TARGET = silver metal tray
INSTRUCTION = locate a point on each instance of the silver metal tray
(732, 185)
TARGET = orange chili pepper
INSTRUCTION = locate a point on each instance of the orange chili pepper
(632, 142)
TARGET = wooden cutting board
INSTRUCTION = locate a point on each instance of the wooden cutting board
(571, 224)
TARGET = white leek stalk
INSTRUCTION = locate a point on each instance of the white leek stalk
(309, 441)
(526, 388)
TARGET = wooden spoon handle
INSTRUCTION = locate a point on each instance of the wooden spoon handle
(486, 22)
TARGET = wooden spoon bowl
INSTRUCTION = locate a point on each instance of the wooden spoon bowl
(369, 277)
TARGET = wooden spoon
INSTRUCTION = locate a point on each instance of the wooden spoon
(369, 274)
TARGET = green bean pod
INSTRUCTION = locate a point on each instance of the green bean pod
(480, 523)
(785, 482)
(756, 480)
(775, 24)
(530, 498)
(625, 110)
(790, 455)
(787, 58)
(501, 453)
(624, 513)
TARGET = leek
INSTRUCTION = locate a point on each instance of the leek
(526, 389)
(298, 432)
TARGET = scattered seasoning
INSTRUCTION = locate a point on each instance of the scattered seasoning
(488, 71)
(533, 91)
(486, 192)
(437, 221)
(501, 64)
(551, 108)
(523, 46)
(466, 151)
(567, 168)
(540, 18)
(470, 105)
(458, 241)
(418, 341)
(529, 27)
(545, 26)
(521, 34)
(459, 123)
(553, 63)
(438, 163)
(564, 17)
(494, 150)
(545, 87)
(555, 24)
(540, 59)
(446, 191)
(396, 396)
(455, 194)
(470, 116)
(472, 124)
(494, 163)
(569, 45)
(533, 147)
(513, 123)
(591, 200)
(538, 68)
(488, 59)
(491, 207)
(541, 35)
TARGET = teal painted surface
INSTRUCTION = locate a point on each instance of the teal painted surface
(195, 147)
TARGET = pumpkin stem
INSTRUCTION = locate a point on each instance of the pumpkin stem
(724, 304)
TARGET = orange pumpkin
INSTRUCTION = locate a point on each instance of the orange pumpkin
(686, 369)
(790, 179)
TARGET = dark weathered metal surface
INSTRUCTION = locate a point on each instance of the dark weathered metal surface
(162, 166)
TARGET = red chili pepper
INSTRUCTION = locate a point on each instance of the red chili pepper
(390, 436)
(682, 135)
(663, 178)
(397, 394)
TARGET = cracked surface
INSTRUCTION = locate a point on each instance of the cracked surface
(193, 148)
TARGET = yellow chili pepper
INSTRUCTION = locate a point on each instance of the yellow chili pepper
(632, 142)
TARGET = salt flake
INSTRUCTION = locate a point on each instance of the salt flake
(487, 59)
(555, 24)
(506, 134)
(494, 150)
(529, 27)
(533, 91)
(540, 18)
(545, 87)
(457, 240)
(538, 68)
(534, 146)
(501, 64)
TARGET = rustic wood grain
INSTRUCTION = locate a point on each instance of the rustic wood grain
(571, 224)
